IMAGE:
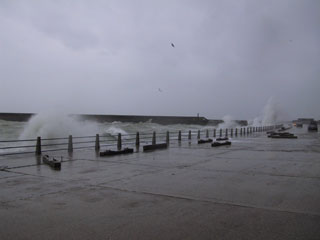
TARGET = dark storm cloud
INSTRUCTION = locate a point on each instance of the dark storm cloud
(113, 56)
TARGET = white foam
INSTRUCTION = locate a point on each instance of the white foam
(113, 130)
(228, 122)
(271, 114)
(54, 124)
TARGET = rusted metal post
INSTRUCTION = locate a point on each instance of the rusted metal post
(198, 134)
(38, 146)
(226, 132)
(97, 144)
(137, 139)
(214, 133)
(168, 138)
(220, 134)
(119, 141)
(154, 138)
(179, 136)
(236, 132)
(207, 133)
(189, 136)
(240, 131)
(231, 133)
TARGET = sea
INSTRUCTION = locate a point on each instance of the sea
(57, 125)
(51, 126)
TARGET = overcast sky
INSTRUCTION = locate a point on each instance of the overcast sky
(115, 57)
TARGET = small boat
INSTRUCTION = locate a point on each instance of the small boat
(282, 129)
(217, 144)
(270, 132)
(313, 126)
(279, 133)
(222, 139)
(283, 136)
(209, 140)
(112, 152)
(52, 162)
(155, 146)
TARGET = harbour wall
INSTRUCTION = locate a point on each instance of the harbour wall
(23, 117)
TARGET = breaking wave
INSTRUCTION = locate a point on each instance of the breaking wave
(52, 125)
(271, 114)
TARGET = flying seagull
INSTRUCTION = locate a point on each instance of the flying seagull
(159, 90)
(172, 45)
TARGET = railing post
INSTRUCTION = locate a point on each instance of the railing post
(70, 144)
(179, 136)
(236, 132)
(226, 132)
(220, 134)
(97, 145)
(154, 138)
(214, 133)
(231, 132)
(137, 139)
(247, 130)
(198, 134)
(207, 133)
(240, 131)
(168, 138)
(119, 141)
(38, 146)
(189, 136)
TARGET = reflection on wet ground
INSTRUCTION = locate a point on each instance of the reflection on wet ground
(257, 188)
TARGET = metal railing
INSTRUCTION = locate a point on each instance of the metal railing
(96, 142)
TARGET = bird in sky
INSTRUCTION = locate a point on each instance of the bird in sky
(172, 45)
(159, 90)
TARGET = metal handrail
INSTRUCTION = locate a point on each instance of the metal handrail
(144, 137)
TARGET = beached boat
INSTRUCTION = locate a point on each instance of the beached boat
(281, 135)
(52, 162)
(313, 126)
(282, 129)
(222, 139)
(201, 141)
(217, 144)
(155, 146)
(112, 152)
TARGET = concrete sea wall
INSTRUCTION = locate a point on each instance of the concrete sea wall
(23, 117)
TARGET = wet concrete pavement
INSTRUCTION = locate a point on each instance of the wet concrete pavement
(258, 188)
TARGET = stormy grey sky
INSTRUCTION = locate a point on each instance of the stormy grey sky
(113, 56)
